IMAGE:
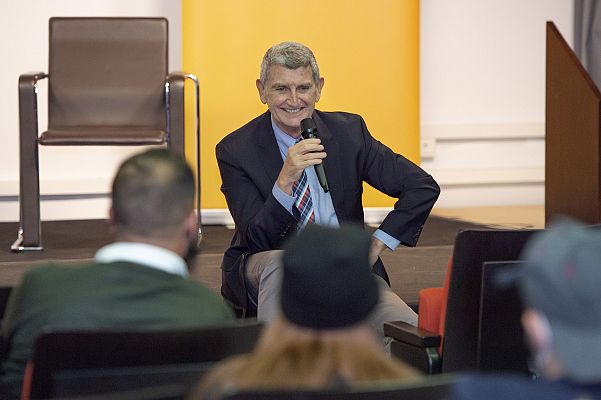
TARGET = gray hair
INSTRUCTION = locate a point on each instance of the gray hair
(291, 55)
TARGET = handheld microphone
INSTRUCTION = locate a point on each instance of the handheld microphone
(309, 131)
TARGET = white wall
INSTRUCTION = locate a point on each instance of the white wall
(74, 181)
(483, 97)
(482, 100)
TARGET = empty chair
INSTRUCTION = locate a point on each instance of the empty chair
(108, 85)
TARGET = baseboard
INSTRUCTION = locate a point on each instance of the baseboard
(222, 216)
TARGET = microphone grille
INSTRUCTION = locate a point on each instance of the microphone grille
(308, 124)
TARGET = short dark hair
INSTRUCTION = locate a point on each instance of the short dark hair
(153, 193)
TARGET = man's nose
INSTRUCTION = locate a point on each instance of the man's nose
(294, 97)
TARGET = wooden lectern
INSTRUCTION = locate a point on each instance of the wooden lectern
(572, 165)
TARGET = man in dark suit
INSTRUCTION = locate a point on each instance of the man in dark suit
(138, 282)
(559, 286)
(265, 171)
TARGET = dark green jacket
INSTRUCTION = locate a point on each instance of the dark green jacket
(96, 296)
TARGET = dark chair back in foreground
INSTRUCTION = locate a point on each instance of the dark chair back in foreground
(430, 388)
(501, 342)
(156, 392)
(80, 363)
(472, 249)
(460, 346)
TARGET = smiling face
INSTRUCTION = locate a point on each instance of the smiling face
(290, 95)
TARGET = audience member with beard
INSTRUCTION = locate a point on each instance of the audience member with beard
(139, 282)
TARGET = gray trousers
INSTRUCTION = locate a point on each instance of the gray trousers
(263, 280)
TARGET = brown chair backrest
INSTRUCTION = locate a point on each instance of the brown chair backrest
(86, 90)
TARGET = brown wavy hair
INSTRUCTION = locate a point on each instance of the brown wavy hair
(291, 357)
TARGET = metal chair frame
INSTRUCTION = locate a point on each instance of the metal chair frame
(29, 235)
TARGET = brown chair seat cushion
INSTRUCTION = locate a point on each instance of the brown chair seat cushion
(103, 136)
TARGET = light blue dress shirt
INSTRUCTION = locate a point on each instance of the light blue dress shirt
(322, 201)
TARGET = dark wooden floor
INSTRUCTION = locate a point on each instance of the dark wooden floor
(70, 242)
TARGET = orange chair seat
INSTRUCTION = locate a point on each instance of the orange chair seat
(433, 306)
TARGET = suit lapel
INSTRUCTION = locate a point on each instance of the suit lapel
(270, 158)
(269, 154)
(332, 166)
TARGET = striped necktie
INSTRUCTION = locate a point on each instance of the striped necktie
(303, 203)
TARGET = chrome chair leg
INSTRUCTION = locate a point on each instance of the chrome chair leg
(198, 210)
(17, 246)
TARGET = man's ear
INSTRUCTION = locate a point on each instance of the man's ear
(537, 329)
(319, 87)
(261, 89)
(112, 217)
(191, 225)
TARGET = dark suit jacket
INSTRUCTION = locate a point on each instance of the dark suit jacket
(249, 162)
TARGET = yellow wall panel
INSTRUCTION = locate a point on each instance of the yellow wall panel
(367, 51)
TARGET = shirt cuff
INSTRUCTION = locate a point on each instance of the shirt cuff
(388, 240)
(283, 198)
